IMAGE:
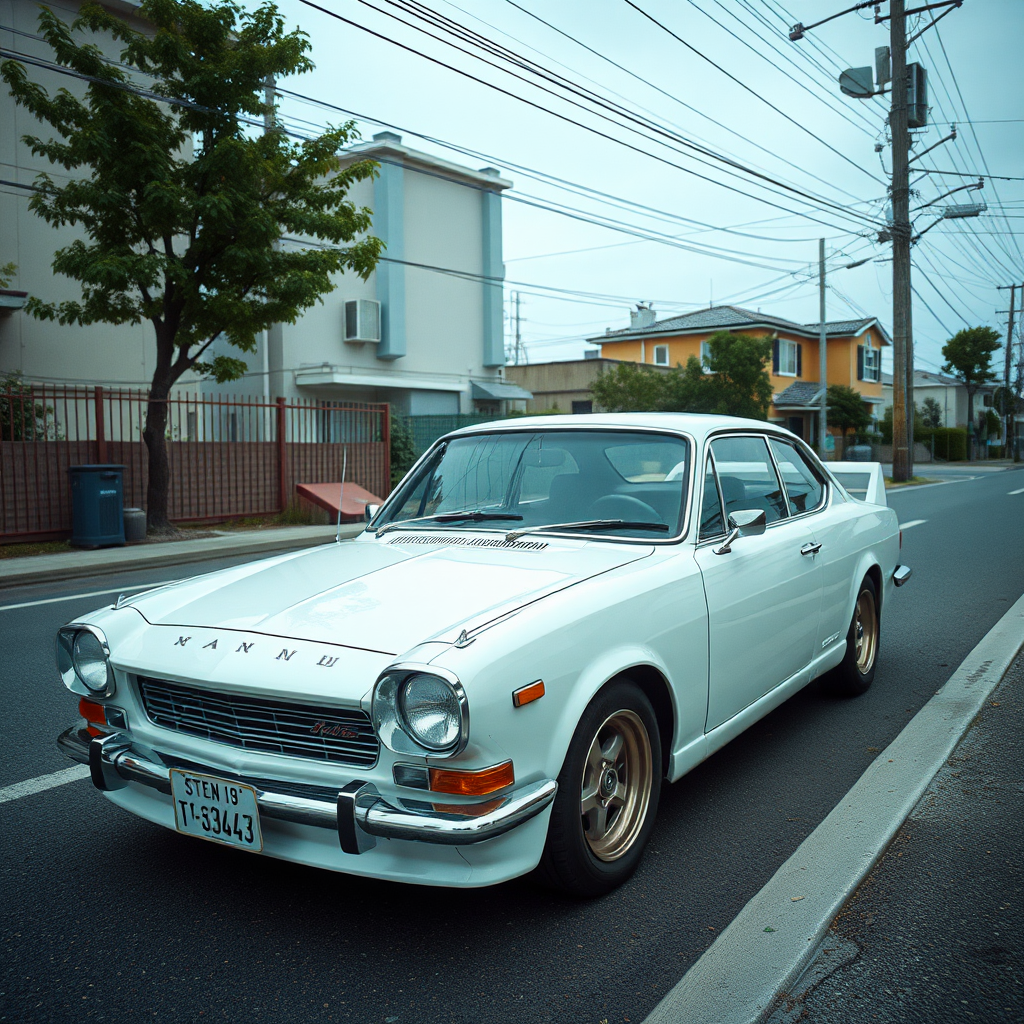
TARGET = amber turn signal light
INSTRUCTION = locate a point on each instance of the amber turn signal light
(526, 694)
(92, 712)
(480, 783)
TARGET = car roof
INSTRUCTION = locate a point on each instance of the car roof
(697, 425)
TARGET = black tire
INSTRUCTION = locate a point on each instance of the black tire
(855, 673)
(589, 854)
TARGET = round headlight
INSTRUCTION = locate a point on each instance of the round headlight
(431, 711)
(90, 661)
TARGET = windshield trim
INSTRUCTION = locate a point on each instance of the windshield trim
(533, 428)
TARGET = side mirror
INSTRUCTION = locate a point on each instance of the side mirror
(369, 511)
(749, 522)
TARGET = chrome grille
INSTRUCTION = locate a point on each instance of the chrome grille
(320, 732)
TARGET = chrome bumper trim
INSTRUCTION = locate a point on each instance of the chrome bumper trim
(358, 813)
(901, 574)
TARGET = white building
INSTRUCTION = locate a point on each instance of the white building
(434, 344)
(948, 392)
(425, 331)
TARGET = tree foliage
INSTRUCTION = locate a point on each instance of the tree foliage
(735, 383)
(845, 409)
(181, 201)
(968, 356)
(931, 413)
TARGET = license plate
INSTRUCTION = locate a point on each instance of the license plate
(216, 809)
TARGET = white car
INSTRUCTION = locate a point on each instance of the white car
(548, 618)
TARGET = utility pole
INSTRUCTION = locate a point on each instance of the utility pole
(519, 339)
(822, 349)
(1008, 397)
(902, 339)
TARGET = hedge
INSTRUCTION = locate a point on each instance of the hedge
(950, 443)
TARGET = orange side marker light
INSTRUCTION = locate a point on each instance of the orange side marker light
(527, 694)
(92, 712)
(487, 780)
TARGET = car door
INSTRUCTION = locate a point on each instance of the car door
(763, 595)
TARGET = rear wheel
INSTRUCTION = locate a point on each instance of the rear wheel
(607, 797)
(855, 673)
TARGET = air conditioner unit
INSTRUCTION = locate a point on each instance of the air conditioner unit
(362, 320)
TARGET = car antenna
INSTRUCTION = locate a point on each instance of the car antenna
(341, 496)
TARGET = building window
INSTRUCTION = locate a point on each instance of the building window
(986, 400)
(705, 356)
(661, 355)
(872, 364)
(787, 358)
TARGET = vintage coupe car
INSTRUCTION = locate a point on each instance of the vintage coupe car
(547, 618)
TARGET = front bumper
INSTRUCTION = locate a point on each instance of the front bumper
(357, 812)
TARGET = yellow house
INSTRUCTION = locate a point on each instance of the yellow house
(854, 354)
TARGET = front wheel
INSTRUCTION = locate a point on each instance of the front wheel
(607, 797)
(855, 673)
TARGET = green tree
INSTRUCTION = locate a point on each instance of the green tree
(403, 450)
(22, 418)
(630, 388)
(968, 356)
(931, 413)
(846, 409)
(180, 201)
(735, 383)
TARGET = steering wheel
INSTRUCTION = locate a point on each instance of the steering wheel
(624, 506)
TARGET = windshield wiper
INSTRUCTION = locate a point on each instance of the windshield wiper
(476, 515)
(590, 524)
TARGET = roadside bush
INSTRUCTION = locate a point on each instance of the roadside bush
(403, 451)
(950, 443)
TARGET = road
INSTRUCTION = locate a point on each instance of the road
(107, 917)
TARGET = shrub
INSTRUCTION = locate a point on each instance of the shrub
(950, 443)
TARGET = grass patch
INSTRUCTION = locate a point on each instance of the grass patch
(50, 547)
(914, 481)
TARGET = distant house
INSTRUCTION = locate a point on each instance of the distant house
(854, 354)
(950, 393)
(565, 386)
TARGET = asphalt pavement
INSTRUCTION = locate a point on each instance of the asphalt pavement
(935, 931)
(108, 917)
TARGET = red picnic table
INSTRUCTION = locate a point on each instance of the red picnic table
(353, 499)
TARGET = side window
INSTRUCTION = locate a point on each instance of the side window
(712, 522)
(803, 487)
(747, 477)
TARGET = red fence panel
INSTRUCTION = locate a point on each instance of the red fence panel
(229, 455)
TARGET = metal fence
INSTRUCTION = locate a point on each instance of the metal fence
(229, 456)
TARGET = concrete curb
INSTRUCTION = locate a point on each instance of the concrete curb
(20, 572)
(771, 942)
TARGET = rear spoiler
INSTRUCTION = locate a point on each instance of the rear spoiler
(861, 480)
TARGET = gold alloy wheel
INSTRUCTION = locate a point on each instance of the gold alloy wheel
(865, 632)
(616, 789)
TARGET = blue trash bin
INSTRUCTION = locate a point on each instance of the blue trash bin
(97, 501)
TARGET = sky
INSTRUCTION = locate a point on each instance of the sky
(712, 151)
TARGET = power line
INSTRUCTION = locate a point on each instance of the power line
(743, 85)
(675, 99)
(812, 201)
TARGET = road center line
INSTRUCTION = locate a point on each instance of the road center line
(79, 597)
(1020, 490)
(43, 782)
(903, 526)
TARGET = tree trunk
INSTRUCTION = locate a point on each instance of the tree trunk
(972, 430)
(155, 436)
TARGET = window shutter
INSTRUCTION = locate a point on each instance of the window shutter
(860, 362)
(799, 360)
(775, 355)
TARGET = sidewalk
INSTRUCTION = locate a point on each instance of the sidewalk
(935, 932)
(20, 572)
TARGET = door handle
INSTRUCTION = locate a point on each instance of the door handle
(810, 549)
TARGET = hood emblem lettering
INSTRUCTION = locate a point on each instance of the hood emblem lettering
(212, 645)
(327, 661)
(181, 641)
(285, 655)
(245, 648)
(334, 729)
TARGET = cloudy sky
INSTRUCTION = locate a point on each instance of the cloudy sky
(697, 160)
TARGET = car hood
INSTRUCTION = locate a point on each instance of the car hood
(385, 596)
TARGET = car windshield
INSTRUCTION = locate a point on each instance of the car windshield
(550, 478)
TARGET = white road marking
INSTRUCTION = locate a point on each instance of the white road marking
(43, 782)
(912, 522)
(78, 597)
(1020, 490)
